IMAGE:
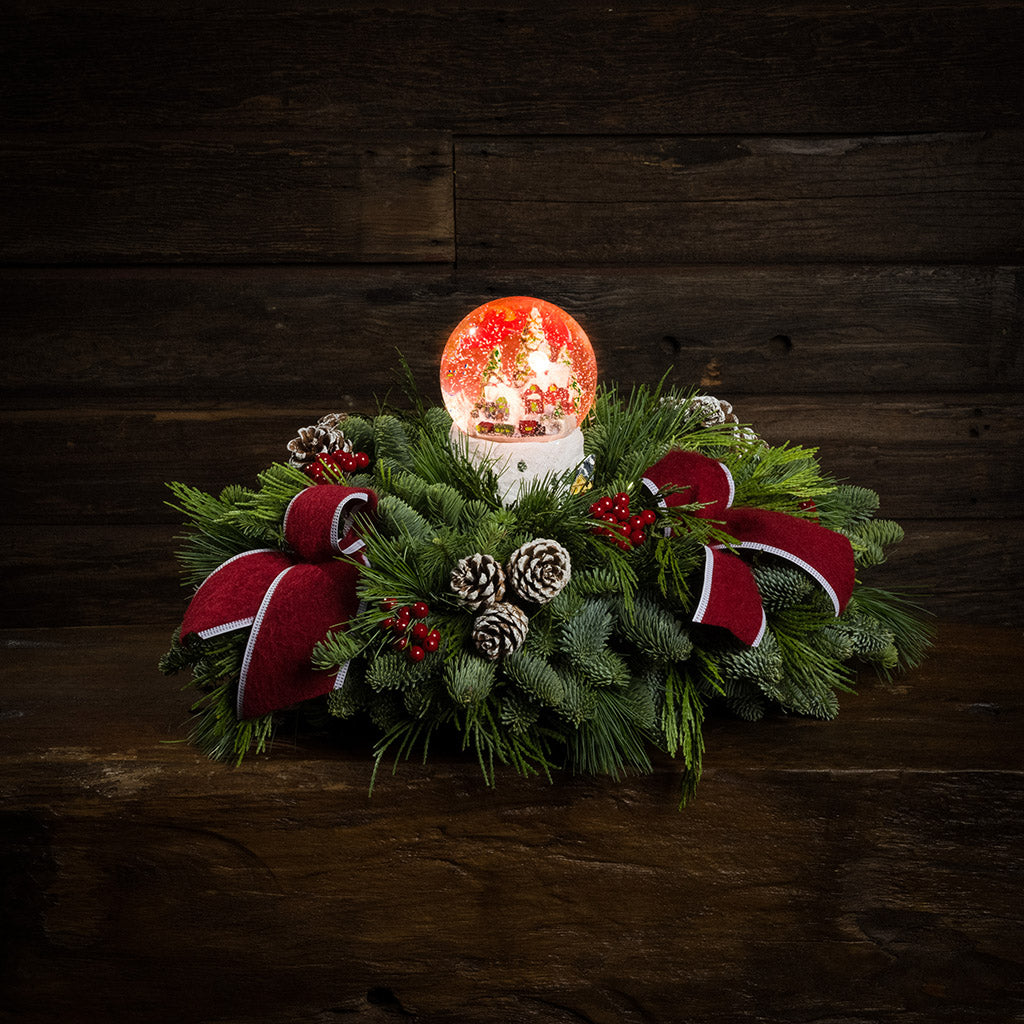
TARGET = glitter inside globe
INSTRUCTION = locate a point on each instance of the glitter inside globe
(518, 369)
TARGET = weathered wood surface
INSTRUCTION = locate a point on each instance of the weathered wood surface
(139, 337)
(941, 198)
(514, 67)
(948, 197)
(865, 869)
(226, 199)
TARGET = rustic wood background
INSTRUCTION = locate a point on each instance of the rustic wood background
(218, 221)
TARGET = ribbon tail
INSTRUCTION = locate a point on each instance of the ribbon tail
(301, 605)
(230, 596)
(730, 597)
(825, 554)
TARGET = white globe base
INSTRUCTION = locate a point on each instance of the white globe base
(521, 462)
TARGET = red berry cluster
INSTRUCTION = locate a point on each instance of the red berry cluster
(417, 639)
(345, 462)
(624, 529)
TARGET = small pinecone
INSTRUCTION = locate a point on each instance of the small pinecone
(332, 421)
(538, 570)
(713, 410)
(479, 581)
(500, 630)
(320, 438)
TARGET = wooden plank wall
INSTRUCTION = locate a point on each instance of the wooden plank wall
(218, 223)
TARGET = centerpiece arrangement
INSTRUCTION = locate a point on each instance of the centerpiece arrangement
(560, 575)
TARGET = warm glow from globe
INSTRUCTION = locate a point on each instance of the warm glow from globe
(518, 369)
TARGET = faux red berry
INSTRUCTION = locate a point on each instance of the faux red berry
(638, 537)
(416, 653)
(388, 623)
(433, 640)
(605, 504)
(420, 610)
(401, 643)
(635, 522)
(648, 517)
(362, 460)
(419, 630)
(388, 604)
(622, 498)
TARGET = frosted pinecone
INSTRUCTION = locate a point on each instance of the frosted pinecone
(333, 421)
(479, 581)
(320, 438)
(500, 630)
(713, 411)
(538, 570)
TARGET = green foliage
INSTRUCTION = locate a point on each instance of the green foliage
(611, 665)
(536, 678)
(611, 739)
(682, 716)
(391, 446)
(215, 666)
(469, 680)
(778, 478)
(846, 506)
(900, 617)
(780, 584)
(654, 631)
(870, 538)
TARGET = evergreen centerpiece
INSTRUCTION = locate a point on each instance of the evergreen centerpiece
(571, 623)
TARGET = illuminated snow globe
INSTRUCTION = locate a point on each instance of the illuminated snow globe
(518, 377)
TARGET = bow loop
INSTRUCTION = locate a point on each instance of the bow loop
(290, 603)
(230, 596)
(318, 520)
(693, 478)
(729, 597)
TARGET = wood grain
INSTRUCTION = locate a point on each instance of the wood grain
(226, 199)
(146, 337)
(823, 866)
(940, 197)
(514, 67)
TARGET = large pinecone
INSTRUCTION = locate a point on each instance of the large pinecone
(538, 570)
(479, 580)
(500, 630)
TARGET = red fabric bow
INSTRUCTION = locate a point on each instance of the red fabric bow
(290, 603)
(730, 597)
